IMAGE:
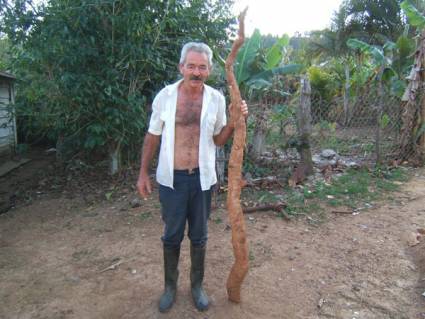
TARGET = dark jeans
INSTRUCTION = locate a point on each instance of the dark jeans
(188, 202)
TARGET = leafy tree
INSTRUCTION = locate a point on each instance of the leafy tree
(374, 21)
(413, 10)
(4, 54)
(88, 69)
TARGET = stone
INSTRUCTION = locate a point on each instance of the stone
(136, 203)
(328, 154)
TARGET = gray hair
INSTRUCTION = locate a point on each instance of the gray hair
(196, 47)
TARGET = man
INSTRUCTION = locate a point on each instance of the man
(191, 118)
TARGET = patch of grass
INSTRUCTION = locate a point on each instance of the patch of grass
(398, 174)
(296, 202)
(367, 148)
(145, 216)
(346, 189)
(253, 195)
(254, 169)
(265, 197)
(251, 256)
(341, 146)
(386, 185)
(352, 189)
(218, 220)
(262, 196)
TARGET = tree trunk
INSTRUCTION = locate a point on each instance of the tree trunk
(304, 127)
(259, 138)
(220, 165)
(411, 117)
(60, 157)
(114, 158)
(347, 115)
(378, 117)
(422, 138)
(236, 218)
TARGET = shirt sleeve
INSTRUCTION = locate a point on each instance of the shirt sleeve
(221, 116)
(156, 124)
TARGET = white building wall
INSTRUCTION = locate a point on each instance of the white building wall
(7, 122)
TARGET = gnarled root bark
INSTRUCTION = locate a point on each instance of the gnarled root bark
(239, 242)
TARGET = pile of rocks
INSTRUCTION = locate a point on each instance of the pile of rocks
(329, 157)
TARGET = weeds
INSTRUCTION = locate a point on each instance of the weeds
(353, 189)
(218, 220)
(251, 255)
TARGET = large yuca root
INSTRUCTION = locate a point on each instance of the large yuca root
(239, 242)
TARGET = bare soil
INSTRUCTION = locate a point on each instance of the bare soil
(65, 230)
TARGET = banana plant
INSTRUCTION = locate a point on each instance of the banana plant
(377, 53)
(257, 71)
(257, 66)
(381, 58)
(246, 57)
(394, 60)
(412, 138)
(415, 18)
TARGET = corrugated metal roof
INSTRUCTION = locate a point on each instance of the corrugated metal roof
(7, 75)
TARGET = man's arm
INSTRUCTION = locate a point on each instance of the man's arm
(221, 138)
(224, 135)
(150, 145)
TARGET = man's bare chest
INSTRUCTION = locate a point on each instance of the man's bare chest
(188, 112)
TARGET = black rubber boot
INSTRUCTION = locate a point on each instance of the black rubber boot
(200, 298)
(171, 273)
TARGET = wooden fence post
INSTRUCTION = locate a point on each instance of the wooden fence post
(379, 108)
(304, 126)
(347, 115)
(422, 112)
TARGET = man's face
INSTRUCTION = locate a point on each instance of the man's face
(195, 69)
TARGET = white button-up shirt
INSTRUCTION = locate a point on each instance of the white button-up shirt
(163, 118)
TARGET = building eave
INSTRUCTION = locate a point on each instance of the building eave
(7, 75)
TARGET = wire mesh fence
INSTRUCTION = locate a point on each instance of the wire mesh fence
(363, 130)
(366, 130)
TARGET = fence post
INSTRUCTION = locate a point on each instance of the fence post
(220, 165)
(347, 115)
(304, 126)
(422, 111)
(260, 131)
(422, 127)
(379, 109)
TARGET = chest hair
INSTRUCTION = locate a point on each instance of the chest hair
(188, 112)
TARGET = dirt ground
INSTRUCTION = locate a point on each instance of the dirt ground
(58, 241)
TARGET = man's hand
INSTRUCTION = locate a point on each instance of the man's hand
(244, 109)
(150, 145)
(144, 186)
(227, 131)
(234, 113)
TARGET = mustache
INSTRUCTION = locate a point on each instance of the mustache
(196, 78)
